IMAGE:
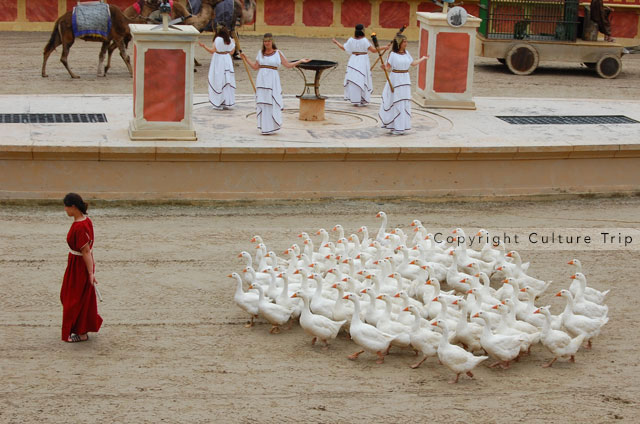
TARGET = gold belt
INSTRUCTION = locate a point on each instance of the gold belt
(223, 52)
(359, 53)
(397, 71)
(269, 67)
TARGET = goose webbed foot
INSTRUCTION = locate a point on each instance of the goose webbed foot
(313, 341)
(326, 345)
(456, 379)
(549, 364)
(274, 330)
(572, 359)
(417, 364)
(380, 357)
(470, 374)
(354, 356)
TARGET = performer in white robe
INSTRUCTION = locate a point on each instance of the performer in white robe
(269, 103)
(222, 80)
(357, 81)
(395, 110)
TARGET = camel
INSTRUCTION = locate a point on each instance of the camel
(145, 6)
(119, 38)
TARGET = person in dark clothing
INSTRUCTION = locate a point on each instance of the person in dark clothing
(600, 15)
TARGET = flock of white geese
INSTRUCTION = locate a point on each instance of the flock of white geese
(387, 291)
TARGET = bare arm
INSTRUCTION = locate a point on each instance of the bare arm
(417, 61)
(254, 65)
(290, 65)
(211, 50)
(87, 255)
(338, 44)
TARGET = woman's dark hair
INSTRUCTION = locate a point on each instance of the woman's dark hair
(397, 41)
(224, 34)
(268, 36)
(74, 199)
(359, 31)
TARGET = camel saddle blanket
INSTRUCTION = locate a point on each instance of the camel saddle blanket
(91, 20)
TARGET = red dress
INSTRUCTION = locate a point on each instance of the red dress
(78, 296)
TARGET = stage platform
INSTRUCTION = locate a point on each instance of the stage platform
(447, 154)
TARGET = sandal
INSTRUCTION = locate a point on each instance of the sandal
(75, 338)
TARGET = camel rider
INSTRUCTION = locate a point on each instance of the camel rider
(224, 17)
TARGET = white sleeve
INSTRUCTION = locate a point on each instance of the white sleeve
(348, 46)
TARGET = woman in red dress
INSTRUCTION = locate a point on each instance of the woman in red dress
(78, 294)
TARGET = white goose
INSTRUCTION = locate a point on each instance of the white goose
(390, 326)
(248, 302)
(318, 326)
(580, 324)
(467, 333)
(589, 293)
(367, 336)
(422, 339)
(586, 307)
(383, 226)
(277, 315)
(558, 342)
(504, 348)
(454, 357)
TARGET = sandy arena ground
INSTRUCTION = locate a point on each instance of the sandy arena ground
(173, 347)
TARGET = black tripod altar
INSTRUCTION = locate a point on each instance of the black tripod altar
(312, 104)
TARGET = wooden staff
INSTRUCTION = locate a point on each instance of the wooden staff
(246, 66)
(386, 74)
(400, 31)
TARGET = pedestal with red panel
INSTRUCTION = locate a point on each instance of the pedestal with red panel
(162, 83)
(445, 80)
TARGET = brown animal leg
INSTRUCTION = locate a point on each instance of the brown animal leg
(63, 58)
(103, 51)
(417, 364)
(548, 365)
(125, 56)
(53, 43)
(355, 355)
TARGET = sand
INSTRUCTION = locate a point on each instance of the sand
(174, 347)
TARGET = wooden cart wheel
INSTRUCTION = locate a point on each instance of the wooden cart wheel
(609, 66)
(522, 59)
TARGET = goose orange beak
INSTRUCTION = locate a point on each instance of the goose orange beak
(294, 295)
(479, 233)
(570, 262)
(537, 311)
(505, 281)
(435, 299)
(335, 286)
(363, 291)
(379, 297)
(573, 277)
(378, 214)
(344, 279)
(406, 309)
(413, 262)
(470, 291)
(239, 255)
(435, 324)
(455, 302)
(494, 307)
(509, 255)
(559, 294)
(523, 290)
(346, 297)
(477, 275)
(230, 276)
(476, 315)
(396, 295)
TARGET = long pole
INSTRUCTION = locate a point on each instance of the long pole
(246, 66)
(400, 31)
(386, 74)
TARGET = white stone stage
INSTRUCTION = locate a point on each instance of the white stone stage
(448, 153)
